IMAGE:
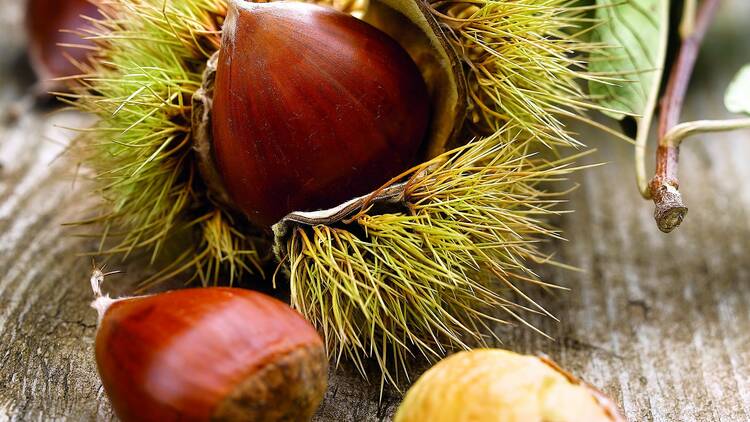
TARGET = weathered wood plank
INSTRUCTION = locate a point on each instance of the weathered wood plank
(660, 322)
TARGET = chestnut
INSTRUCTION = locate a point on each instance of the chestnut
(490, 385)
(54, 45)
(208, 354)
(311, 107)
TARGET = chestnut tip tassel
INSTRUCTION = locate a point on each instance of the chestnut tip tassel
(208, 354)
(312, 107)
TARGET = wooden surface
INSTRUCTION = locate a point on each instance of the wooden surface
(659, 322)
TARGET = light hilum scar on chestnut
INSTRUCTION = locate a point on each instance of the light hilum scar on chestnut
(312, 107)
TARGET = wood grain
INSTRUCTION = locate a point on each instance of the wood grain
(659, 322)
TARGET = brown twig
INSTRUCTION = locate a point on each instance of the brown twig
(670, 209)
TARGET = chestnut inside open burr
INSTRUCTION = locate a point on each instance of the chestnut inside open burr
(311, 107)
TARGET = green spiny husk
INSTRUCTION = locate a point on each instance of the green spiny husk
(389, 282)
(147, 68)
(426, 278)
(525, 62)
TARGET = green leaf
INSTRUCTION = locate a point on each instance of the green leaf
(635, 32)
(630, 65)
(737, 98)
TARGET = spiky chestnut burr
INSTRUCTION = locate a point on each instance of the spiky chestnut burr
(311, 107)
(207, 354)
(463, 221)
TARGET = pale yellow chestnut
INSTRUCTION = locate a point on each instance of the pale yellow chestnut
(501, 386)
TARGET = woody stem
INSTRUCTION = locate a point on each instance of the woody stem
(670, 209)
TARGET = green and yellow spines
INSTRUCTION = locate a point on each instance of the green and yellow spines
(428, 279)
(382, 284)
(148, 64)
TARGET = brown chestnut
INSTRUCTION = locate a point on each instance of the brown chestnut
(209, 354)
(50, 27)
(311, 107)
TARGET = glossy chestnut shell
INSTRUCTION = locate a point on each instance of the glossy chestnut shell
(48, 25)
(210, 354)
(311, 107)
